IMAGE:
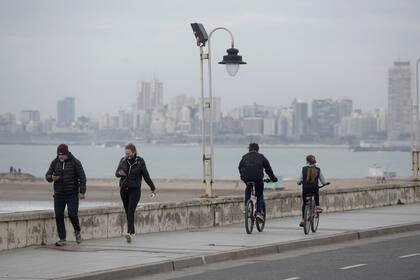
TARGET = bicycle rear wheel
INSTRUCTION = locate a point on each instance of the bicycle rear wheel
(249, 216)
(307, 218)
(260, 226)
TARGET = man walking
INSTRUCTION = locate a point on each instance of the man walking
(69, 179)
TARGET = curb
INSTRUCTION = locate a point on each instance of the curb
(274, 248)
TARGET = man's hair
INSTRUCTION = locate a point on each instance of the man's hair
(253, 147)
(131, 147)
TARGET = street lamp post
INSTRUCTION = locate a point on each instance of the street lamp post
(416, 146)
(232, 61)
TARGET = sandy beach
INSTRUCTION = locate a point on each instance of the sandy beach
(107, 190)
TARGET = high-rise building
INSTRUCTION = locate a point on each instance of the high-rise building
(324, 117)
(150, 95)
(399, 101)
(144, 96)
(358, 124)
(300, 119)
(66, 111)
(344, 108)
(285, 123)
(157, 94)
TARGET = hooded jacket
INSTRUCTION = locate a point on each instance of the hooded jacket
(135, 169)
(72, 176)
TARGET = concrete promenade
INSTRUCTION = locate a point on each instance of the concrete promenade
(167, 251)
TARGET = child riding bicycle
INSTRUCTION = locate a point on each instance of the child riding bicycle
(251, 168)
(310, 177)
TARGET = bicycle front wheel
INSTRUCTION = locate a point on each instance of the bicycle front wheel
(260, 226)
(249, 216)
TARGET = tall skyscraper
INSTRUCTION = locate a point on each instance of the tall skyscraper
(144, 96)
(344, 108)
(150, 95)
(300, 119)
(324, 117)
(157, 94)
(66, 111)
(400, 115)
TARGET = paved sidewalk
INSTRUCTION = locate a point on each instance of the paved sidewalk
(49, 262)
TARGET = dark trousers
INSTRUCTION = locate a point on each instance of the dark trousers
(130, 198)
(72, 202)
(307, 191)
(259, 193)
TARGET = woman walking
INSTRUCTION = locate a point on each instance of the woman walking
(131, 170)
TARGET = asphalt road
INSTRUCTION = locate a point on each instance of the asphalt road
(394, 257)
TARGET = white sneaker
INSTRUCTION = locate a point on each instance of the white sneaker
(130, 237)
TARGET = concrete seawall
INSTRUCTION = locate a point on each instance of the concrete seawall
(38, 227)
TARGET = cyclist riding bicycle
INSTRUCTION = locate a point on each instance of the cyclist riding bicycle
(310, 177)
(251, 168)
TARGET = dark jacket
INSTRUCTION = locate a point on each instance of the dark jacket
(72, 176)
(136, 170)
(311, 186)
(252, 166)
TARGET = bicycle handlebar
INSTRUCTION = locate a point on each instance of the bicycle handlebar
(326, 184)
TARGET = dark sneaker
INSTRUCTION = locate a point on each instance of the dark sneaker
(301, 224)
(60, 243)
(78, 237)
(260, 217)
(319, 209)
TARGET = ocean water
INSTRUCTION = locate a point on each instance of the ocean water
(184, 162)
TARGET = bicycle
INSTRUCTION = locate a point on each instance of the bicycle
(310, 215)
(250, 212)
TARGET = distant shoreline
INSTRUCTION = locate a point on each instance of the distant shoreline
(195, 145)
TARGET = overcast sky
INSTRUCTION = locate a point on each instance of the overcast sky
(97, 50)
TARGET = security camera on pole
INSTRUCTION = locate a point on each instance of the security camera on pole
(232, 61)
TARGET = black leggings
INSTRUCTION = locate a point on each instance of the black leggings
(305, 192)
(130, 198)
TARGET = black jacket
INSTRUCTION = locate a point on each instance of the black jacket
(72, 176)
(136, 170)
(252, 166)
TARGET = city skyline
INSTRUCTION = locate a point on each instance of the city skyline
(98, 51)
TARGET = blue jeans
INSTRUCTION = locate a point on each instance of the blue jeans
(259, 193)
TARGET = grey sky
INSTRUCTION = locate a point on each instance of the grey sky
(97, 50)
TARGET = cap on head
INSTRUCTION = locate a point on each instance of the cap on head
(253, 147)
(62, 149)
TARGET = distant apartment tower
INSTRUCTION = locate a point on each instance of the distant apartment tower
(324, 117)
(300, 119)
(66, 111)
(399, 101)
(150, 95)
(344, 108)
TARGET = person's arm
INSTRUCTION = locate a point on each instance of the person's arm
(300, 179)
(240, 166)
(322, 178)
(146, 176)
(50, 171)
(81, 176)
(119, 168)
(268, 170)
